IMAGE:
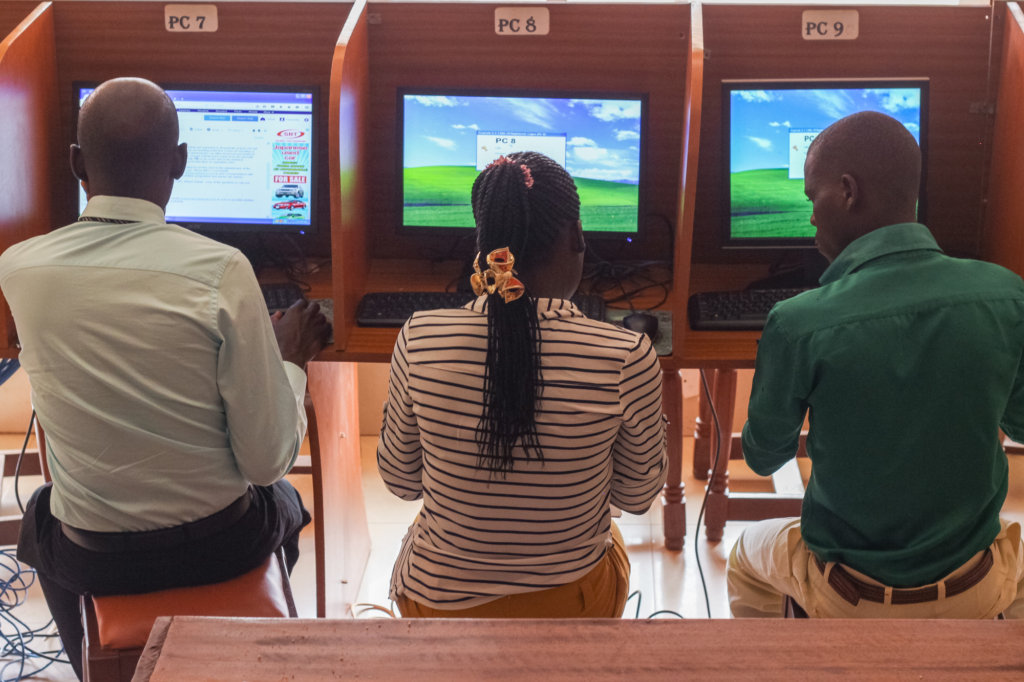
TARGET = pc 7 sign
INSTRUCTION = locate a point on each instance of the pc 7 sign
(521, 21)
(190, 18)
(830, 24)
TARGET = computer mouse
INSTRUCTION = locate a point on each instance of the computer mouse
(645, 323)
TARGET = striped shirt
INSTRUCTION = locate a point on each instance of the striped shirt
(480, 536)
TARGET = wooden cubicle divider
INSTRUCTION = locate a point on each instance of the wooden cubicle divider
(257, 43)
(338, 505)
(28, 95)
(593, 49)
(13, 12)
(343, 536)
(349, 145)
(673, 500)
(948, 45)
(1003, 238)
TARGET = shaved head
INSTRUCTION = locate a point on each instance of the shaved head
(128, 141)
(863, 172)
(876, 149)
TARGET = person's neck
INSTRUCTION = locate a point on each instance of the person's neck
(154, 197)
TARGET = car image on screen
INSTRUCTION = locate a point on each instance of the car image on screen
(288, 205)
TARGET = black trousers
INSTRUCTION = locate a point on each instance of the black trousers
(65, 570)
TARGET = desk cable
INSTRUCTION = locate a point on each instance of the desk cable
(711, 479)
(21, 456)
(16, 636)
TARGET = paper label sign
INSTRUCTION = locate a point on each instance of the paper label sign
(190, 18)
(521, 21)
(830, 24)
(492, 144)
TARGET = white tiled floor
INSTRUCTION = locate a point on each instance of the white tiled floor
(665, 580)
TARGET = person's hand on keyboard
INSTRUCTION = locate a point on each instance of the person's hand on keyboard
(302, 331)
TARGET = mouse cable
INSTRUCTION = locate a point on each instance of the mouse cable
(21, 456)
(707, 491)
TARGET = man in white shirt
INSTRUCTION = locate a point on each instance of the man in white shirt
(171, 401)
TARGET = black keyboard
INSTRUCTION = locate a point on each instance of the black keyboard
(735, 310)
(393, 308)
(281, 296)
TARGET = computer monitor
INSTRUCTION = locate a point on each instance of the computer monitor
(251, 158)
(447, 137)
(768, 126)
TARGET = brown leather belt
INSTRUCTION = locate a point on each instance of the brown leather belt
(853, 589)
(161, 538)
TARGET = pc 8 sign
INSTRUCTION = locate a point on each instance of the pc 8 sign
(492, 144)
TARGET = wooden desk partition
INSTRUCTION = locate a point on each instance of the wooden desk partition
(12, 13)
(257, 43)
(1003, 239)
(948, 45)
(349, 145)
(28, 116)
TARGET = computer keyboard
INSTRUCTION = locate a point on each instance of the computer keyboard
(735, 310)
(281, 296)
(393, 308)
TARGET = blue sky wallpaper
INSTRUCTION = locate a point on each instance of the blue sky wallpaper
(762, 118)
(602, 136)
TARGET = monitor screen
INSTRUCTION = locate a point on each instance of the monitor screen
(768, 128)
(448, 138)
(251, 158)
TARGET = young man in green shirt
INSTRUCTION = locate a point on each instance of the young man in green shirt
(907, 362)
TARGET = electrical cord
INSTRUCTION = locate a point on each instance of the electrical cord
(711, 480)
(21, 456)
(17, 637)
(603, 276)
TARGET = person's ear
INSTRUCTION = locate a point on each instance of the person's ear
(579, 244)
(850, 190)
(77, 163)
(180, 161)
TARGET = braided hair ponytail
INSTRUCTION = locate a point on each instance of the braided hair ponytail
(523, 202)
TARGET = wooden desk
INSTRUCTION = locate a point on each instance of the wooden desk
(190, 648)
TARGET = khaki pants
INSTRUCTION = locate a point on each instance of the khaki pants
(601, 593)
(770, 560)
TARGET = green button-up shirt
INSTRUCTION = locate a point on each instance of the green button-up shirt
(906, 361)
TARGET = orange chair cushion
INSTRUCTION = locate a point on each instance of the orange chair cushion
(124, 621)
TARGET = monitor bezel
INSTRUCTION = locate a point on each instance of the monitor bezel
(457, 232)
(729, 85)
(240, 229)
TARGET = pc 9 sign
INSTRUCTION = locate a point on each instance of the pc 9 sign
(830, 24)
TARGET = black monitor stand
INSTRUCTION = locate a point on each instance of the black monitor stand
(802, 274)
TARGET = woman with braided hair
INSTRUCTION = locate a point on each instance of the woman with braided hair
(519, 422)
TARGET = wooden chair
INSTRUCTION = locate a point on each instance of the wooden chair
(117, 626)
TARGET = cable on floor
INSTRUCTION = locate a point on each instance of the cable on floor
(17, 638)
(711, 479)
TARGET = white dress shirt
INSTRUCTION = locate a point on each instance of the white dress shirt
(154, 369)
